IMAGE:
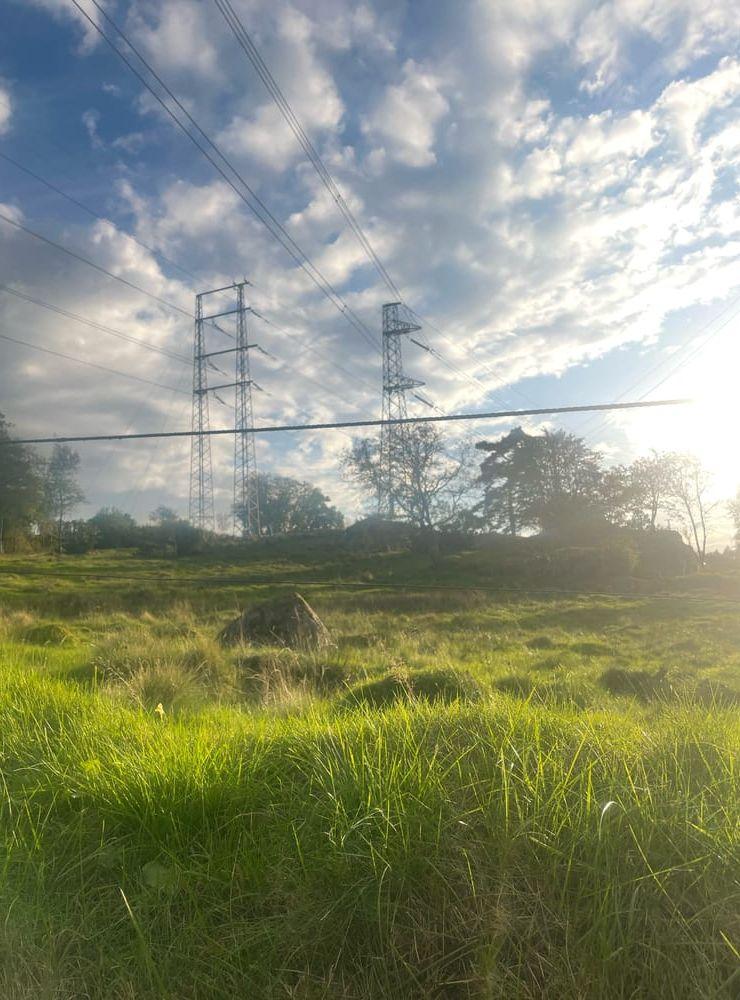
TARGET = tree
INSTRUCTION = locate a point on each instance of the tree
(21, 486)
(113, 528)
(546, 482)
(436, 485)
(688, 484)
(733, 507)
(62, 490)
(163, 515)
(288, 505)
(650, 483)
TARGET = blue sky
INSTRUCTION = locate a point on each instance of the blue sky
(553, 184)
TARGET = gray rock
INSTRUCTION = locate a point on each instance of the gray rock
(285, 621)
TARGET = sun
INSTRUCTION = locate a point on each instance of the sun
(707, 427)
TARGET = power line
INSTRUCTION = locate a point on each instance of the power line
(332, 425)
(251, 199)
(90, 263)
(96, 215)
(93, 324)
(88, 364)
(250, 49)
(682, 362)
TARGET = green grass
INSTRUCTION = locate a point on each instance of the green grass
(560, 836)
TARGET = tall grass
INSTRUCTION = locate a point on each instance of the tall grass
(572, 834)
(499, 850)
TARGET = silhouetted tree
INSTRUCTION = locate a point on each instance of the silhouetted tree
(549, 482)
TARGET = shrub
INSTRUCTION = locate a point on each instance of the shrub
(46, 634)
(434, 684)
(584, 565)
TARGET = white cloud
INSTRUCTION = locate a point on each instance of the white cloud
(406, 117)
(540, 227)
(684, 104)
(91, 120)
(679, 31)
(177, 38)
(6, 109)
(264, 135)
(63, 9)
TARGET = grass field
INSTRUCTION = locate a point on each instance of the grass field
(567, 828)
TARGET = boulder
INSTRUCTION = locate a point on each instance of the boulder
(285, 621)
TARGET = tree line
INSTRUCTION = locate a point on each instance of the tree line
(550, 483)
(517, 484)
(38, 497)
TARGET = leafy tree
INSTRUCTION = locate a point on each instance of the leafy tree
(114, 529)
(62, 490)
(164, 515)
(547, 482)
(437, 485)
(288, 505)
(21, 485)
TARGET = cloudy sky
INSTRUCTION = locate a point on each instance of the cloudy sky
(554, 185)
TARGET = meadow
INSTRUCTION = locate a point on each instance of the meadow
(477, 792)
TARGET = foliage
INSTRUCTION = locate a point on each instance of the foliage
(77, 537)
(553, 483)
(290, 505)
(21, 486)
(114, 529)
(547, 482)
(62, 490)
(688, 483)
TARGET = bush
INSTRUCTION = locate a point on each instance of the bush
(663, 553)
(585, 566)
(46, 634)
(436, 684)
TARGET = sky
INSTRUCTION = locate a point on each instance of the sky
(553, 186)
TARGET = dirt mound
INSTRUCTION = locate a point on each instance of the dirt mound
(285, 621)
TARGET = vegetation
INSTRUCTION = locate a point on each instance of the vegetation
(544, 806)
(288, 505)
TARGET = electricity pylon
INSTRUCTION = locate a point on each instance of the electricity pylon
(246, 495)
(200, 508)
(396, 449)
(245, 506)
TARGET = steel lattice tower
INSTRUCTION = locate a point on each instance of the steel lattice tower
(245, 505)
(395, 451)
(246, 494)
(200, 509)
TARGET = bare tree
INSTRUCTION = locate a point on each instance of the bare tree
(437, 484)
(686, 498)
